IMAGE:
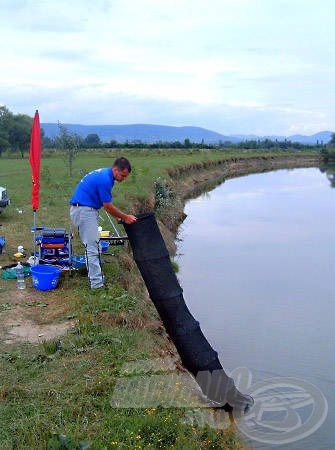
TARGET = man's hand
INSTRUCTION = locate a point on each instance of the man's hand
(129, 219)
(119, 215)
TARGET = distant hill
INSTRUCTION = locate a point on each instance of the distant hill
(154, 133)
(139, 132)
(322, 136)
(317, 138)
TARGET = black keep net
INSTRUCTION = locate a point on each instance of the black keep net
(197, 355)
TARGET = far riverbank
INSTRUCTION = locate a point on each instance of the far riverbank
(191, 181)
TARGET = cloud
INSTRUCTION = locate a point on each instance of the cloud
(96, 104)
(231, 66)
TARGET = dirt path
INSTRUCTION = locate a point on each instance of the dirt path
(30, 315)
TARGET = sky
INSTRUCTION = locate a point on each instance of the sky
(264, 67)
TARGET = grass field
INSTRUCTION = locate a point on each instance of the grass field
(63, 351)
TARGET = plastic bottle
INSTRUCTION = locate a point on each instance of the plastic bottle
(21, 284)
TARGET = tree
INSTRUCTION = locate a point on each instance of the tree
(5, 118)
(331, 143)
(328, 152)
(47, 142)
(19, 133)
(3, 141)
(92, 140)
(187, 143)
(69, 143)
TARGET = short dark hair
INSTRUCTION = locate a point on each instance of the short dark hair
(122, 164)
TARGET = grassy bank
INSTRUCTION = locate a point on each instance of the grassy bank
(56, 391)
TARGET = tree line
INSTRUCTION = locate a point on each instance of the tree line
(93, 141)
(15, 131)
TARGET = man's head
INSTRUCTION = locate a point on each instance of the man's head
(121, 169)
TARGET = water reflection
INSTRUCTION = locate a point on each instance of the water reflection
(257, 269)
(329, 169)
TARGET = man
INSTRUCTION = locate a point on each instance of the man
(93, 192)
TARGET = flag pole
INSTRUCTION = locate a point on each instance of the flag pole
(34, 234)
(35, 162)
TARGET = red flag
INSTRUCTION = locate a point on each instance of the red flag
(35, 160)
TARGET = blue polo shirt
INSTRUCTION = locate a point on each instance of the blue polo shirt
(94, 189)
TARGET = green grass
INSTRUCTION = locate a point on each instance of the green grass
(57, 186)
(57, 394)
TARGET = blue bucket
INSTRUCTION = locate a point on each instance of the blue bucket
(45, 277)
(78, 261)
(104, 246)
(2, 243)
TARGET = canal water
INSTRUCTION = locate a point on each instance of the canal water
(257, 266)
